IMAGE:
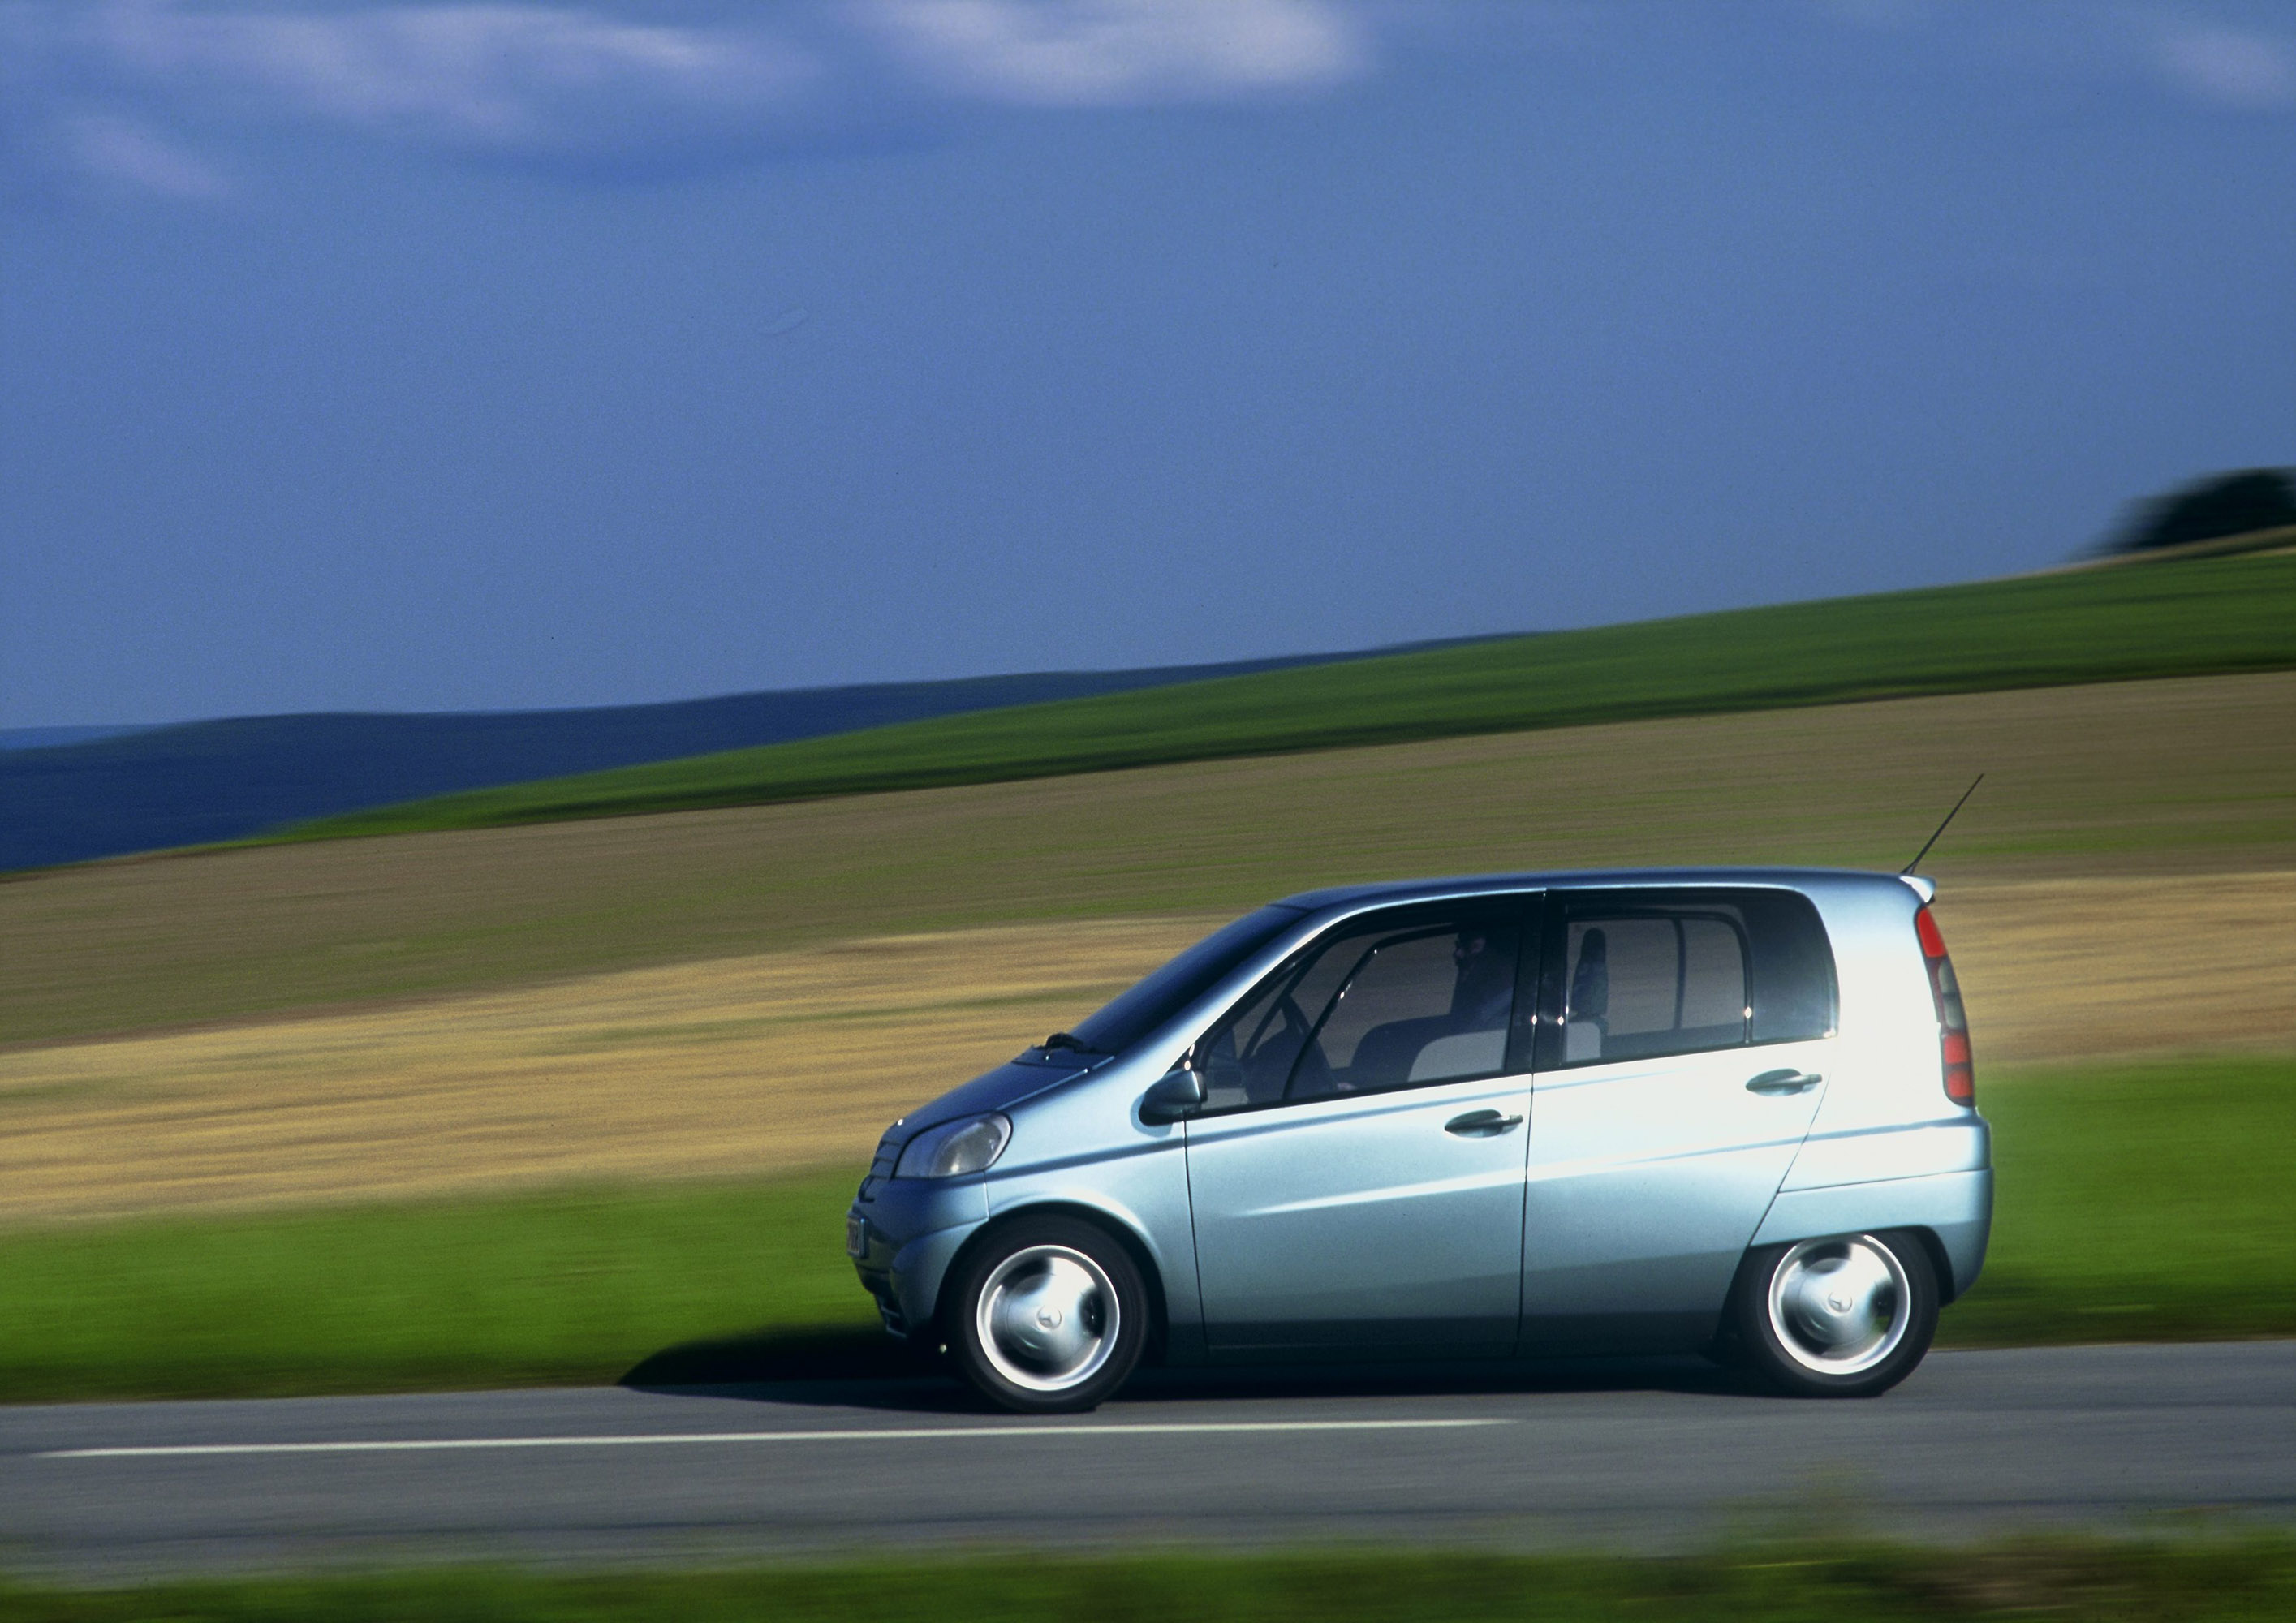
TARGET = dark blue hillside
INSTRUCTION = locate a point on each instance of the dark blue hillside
(219, 780)
(48, 738)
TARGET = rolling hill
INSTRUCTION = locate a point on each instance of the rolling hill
(68, 794)
(2187, 617)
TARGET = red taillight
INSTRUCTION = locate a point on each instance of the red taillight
(1953, 1020)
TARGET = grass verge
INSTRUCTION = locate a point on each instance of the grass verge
(573, 1288)
(2202, 1581)
(2135, 1202)
(2187, 618)
(2138, 1203)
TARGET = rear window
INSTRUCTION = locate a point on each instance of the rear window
(1643, 974)
(1133, 1014)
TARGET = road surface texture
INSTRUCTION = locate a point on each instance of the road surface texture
(1645, 1457)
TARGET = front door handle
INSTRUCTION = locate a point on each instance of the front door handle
(1481, 1124)
(1784, 1082)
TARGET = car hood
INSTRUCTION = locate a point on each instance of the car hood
(996, 1090)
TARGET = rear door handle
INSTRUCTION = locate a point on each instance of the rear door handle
(1784, 1082)
(1481, 1124)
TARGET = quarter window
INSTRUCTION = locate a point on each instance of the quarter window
(1646, 984)
(1644, 974)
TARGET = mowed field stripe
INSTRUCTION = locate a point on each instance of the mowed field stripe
(675, 1438)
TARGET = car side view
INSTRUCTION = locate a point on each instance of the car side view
(1730, 1111)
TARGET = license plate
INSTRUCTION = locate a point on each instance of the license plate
(857, 1236)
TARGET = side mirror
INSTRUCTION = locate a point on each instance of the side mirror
(1177, 1094)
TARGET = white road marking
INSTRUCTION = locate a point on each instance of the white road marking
(648, 1439)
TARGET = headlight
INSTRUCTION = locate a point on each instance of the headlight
(955, 1148)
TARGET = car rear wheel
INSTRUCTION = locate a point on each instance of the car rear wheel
(1847, 1316)
(1049, 1317)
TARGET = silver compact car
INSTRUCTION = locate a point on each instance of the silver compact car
(1722, 1111)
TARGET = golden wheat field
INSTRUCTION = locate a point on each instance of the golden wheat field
(774, 1060)
(737, 1065)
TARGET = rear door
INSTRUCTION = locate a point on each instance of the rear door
(1357, 1175)
(1684, 1040)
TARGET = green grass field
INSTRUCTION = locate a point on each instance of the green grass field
(2134, 1203)
(576, 1287)
(2193, 1580)
(2146, 1202)
(2178, 618)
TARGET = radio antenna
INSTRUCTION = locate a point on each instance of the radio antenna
(1949, 817)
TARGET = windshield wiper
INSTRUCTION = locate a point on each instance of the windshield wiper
(1066, 1040)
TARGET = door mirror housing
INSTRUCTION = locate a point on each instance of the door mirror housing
(1177, 1094)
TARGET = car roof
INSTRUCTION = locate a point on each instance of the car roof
(1485, 884)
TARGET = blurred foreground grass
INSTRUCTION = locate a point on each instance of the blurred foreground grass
(2135, 1202)
(2200, 1580)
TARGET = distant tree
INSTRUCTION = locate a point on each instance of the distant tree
(2222, 505)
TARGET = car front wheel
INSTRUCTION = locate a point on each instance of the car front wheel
(1049, 1317)
(1842, 1318)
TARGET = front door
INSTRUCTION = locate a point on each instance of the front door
(1357, 1175)
(1687, 1042)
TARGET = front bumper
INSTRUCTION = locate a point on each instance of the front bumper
(902, 1234)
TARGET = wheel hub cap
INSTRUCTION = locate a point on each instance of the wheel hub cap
(1840, 1306)
(1048, 1318)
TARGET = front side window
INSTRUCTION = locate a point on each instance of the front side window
(1398, 1000)
(1644, 974)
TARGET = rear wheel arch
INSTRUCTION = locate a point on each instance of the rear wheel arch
(1948, 1288)
(1758, 1328)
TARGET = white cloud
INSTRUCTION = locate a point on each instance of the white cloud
(1101, 52)
(85, 87)
(502, 77)
(2229, 67)
(107, 148)
(2126, 44)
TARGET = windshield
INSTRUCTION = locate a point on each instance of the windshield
(1132, 1015)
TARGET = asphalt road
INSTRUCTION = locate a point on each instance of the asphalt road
(1646, 1456)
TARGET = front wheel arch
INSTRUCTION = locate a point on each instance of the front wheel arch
(1114, 1227)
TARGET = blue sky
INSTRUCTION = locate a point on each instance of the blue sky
(474, 356)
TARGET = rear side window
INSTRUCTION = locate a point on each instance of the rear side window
(1643, 974)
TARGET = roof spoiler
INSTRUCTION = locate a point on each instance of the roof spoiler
(1925, 888)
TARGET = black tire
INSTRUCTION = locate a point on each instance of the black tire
(1789, 1324)
(1027, 1316)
